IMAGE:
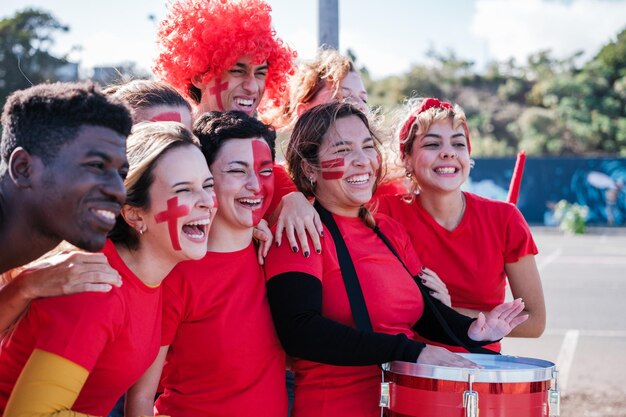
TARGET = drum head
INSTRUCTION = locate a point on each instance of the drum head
(493, 368)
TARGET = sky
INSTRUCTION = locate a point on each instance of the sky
(387, 36)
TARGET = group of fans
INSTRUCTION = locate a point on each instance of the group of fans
(153, 248)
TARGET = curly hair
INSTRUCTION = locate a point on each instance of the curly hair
(328, 68)
(215, 128)
(144, 94)
(206, 37)
(43, 118)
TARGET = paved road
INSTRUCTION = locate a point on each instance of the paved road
(584, 281)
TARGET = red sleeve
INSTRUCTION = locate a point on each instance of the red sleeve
(282, 259)
(78, 327)
(173, 306)
(283, 185)
(519, 239)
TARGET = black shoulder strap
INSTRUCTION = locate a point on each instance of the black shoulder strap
(350, 279)
(430, 302)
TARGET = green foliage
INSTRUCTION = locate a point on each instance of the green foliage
(572, 218)
(25, 42)
(546, 106)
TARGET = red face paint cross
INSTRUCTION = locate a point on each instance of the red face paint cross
(329, 168)
(171, 216)
(216, 90)
(263, 162)
(167, 117)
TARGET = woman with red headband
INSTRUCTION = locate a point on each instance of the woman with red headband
(357, 304)
(472, 243)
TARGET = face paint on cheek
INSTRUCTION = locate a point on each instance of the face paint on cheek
(328, 171)
(171, 216)
(216, 90)
(167, 117)
(262, 160)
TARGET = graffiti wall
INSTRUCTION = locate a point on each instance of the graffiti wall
(597, 183)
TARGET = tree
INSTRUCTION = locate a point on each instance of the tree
(25, 42)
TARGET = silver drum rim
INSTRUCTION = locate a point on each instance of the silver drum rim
(507, 369)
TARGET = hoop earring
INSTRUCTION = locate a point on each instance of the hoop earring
(312, 181)
(142, 230)
(408, 174)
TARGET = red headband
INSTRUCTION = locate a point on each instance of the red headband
(428, 103)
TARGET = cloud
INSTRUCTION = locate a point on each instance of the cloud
(517, 28)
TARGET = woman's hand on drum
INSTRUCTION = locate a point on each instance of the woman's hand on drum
(435, 355)
(436, 286)
(498, 322)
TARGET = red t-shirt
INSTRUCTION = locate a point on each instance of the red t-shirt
(225, 358)
(114, 335)
(393, 301)
(470, 259)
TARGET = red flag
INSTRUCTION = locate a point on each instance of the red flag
(516, 179)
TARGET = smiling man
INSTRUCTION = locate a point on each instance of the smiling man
(223, 55)
(62, 160)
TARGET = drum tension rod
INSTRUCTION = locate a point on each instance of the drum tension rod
(554, 396)
(470, 398)
(385, 397)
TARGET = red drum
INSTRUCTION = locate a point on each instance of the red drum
(504, 386)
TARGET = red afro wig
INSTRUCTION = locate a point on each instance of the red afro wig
(208, 37)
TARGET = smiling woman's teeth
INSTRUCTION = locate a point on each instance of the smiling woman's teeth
(196, 229)
(448, 170)
(358, 179)
(250, 201)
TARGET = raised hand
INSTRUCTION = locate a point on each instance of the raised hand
(498, 322)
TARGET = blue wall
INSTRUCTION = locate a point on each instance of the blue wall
(599, 183)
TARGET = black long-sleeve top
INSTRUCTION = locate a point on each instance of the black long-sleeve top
(295, 300)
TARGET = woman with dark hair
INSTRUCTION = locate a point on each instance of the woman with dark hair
(338, 337)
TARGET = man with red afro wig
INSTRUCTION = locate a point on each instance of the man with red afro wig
(223, 55)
